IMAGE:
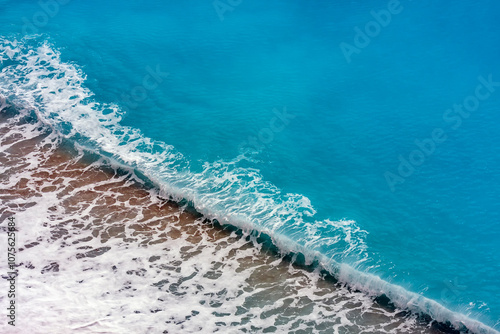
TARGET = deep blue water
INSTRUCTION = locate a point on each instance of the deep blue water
(274, 82)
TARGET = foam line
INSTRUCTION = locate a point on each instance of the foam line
(34, 77)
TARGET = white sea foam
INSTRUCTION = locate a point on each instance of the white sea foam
(222, 190)
(98, 255)
(36, 79)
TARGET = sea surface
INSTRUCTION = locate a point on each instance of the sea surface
(354, 143)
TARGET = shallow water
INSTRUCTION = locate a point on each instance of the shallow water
(101, 252)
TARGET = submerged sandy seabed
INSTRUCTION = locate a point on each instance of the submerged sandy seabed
(100, 252)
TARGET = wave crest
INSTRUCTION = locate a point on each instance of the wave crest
(34, 77)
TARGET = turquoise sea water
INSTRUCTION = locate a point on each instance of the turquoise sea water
(377, 149)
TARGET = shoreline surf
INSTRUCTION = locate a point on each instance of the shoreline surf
(73, 116)
(79, 179)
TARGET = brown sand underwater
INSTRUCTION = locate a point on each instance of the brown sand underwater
(100, 252)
